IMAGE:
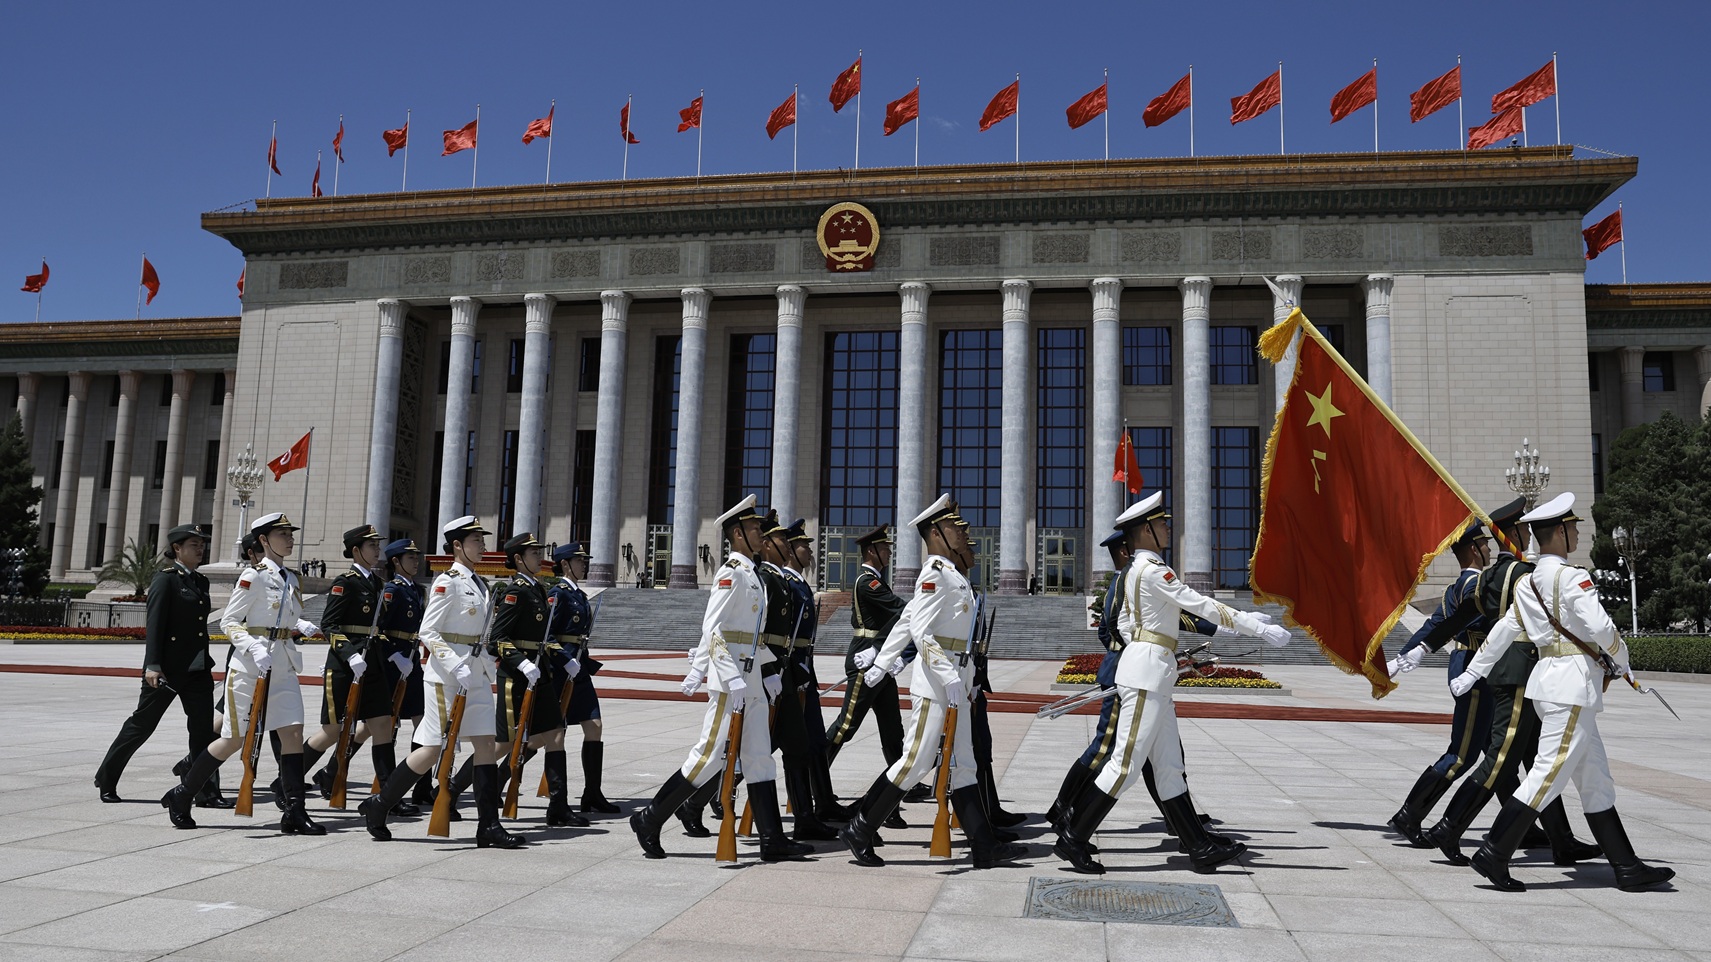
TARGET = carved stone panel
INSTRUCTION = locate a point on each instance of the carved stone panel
(1241, 245)
(1151, 246)
(313, 275)
(1062, 248)
(576, 263)
(436, 269)
(499, 266)
(964, 250)
(1485, 240)
(653, 261)
(744, 258)
(1332, 243)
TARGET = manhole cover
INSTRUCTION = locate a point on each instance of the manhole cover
(1154, 903)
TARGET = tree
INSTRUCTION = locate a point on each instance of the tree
(135, 566)
(1658, 489)
(20, 528)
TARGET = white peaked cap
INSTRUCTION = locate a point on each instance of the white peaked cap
(742, 508)
(1146, 509)
(1560, 507)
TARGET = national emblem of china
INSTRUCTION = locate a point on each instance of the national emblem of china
(849, 237)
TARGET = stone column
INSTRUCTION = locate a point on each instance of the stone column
(1016, 449)
(70, 463)
(1703, 357)
(1633, 385)
(1378, 287)
(691, 383)
(787, 395)
(383, 437)
(532, 418)
(1281, 305)
(1194, 520)
(29, 383)
(1107, 414)
(217, 545)
(608, 440)
(119, 483)
(454, 456)
(172, 482)
(913, 433)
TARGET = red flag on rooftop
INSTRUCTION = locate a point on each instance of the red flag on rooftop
(1091, 105)
(1170, 103)
(540, 126)
(783, 116)
(1529, 90)
(35, 282)
(1268, 94)
(150, 280)
(846, 86)
(1353, 508)
(296, 457)
(273, 154)
(1599, 237)
(1506, 124)
(689, 117)
(1355, 96)
(624, 125)
(315, 184)
(1128, 468)
(339, 142)
(1437, 94)
(460, 139)
(902, 110)
(241, 274)
(1002, 106)
(396, 140)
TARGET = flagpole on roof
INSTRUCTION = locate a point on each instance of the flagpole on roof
(629, 101)
(700, 127)
(405, 185)
(339, 157)
(550, 108)
(1556, 98)
(1375, 105)
(475, 158)
(858, 113)
(1107, 86)
(140, 285)
(1280, 149)
(1018, 119)
(272, 145)
(1191, 110)
(1461, 126)
(1619, 219)
(917, 123)
(795, 105)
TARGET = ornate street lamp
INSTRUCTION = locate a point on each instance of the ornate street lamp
(245, 478)
(1628, 551)
(1527, 478)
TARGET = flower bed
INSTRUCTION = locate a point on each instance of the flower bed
(1083, 670)
(28, 633)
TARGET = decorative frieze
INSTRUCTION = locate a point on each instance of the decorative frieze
(582, 262)
(1151, 246)
(744, 258)
(654, 261)
(435, 269)
(313, 275)
(963, 250)
(1332, 243)
(1062, 248)
(499, 266)
(1485, 240)
(1248, 244)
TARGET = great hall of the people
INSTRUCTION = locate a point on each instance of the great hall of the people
(616, 362)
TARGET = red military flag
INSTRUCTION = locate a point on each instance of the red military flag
(339, 142)
(1437, 94)
(689, 117)
(1529, 90)
(396, 140)
(273, 154)
(846, 86)
(624, 125)
(1506, 124)
(241, 273)
(1353, 508)
(1355, 96)
(540, 126)
(1002, 106)
(1268, 94)
(460, 139)
(150, 280)
(315, 184)
(1599, 237)
(1174, 101)
(902, 110)
(35, 282)
(297, 457)
(783, 116)
(1091, 105)
(1127, 468)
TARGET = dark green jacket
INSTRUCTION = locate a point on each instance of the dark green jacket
(176, 639)
(1493, 595)
(352, 603)
(521, 614)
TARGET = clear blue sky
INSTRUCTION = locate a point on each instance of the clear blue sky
(127, 121)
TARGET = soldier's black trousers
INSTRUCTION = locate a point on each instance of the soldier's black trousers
(881, 699)
(195, 688)
(376, 697)
(1512, 740)
(789, 728)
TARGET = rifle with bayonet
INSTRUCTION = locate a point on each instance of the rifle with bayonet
(353, 705)
(440, 823)
(525, 721)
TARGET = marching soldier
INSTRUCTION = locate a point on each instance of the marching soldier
(940, 620)
(741, 675)
(573, 621)
(176, 662)
(873, 612)
(401, 607)
(789, 603)
(266, 606)
(453, 630)
(826, 807)
(1148, 621)
(1556, 610)
(529, 657)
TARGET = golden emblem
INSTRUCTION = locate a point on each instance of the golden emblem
(849, 237)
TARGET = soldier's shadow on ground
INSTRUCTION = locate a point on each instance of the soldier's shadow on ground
(1357, 827)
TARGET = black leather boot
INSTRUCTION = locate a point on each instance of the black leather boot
(716, 805)
(1565, 848)
(689, 813)
(774, 845)
(995, 813)
(489, 832)
(807, 827)
(1464, 807)
(323, 778)
(1632, 875)
(423, 794)
(826, 806)
(593, 769)
(375, 808)
(210, 796)
(1202, 819)
(1073, 782)
(646, 821)
(1086, 813)
(1428, 788)
(296, 820)
(1492, 859)
(983, 846)
(875, 807)
(559, 813)
(177, 801)
(385, 760)
(1204, 853)
(461, 780)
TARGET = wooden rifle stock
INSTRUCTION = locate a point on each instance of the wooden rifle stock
(353, 704)
(440, 823)
(252, 746)
(942, 823)
(727, 851)
(518, 739)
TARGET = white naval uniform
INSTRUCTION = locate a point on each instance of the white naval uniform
(265, 606)
(939, 619)
(452, 625)
(1566, 687)
(736, 604)
(1154, 599)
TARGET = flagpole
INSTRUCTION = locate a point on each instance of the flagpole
(917, 123)
(795, 125)
(550, 108)
(1018, 120)
(339, 160)
(308, 466)
(1375, 105)
(318, 169)
(1619, 217)
(700, 127)
(858, 113)
(1524, 127)
(475, 148)
(1191, 110)
(140, 286)
(272, 145)
(1280, 150)
(629, 101)
(1461, 125)
(1107, 86)
(405, 186)
(1556, 99)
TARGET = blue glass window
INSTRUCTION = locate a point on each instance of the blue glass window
(859, 483)
(1061, 398)
(1233, 358)
(1155, 453)
(662, 467)
(971, 395)
(1146, 356)
(748, 428)
(1235, 503)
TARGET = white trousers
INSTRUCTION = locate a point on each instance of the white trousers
(1569, 747)
(707, 759)
(437, 701)
(1146, 731)
(921, 745)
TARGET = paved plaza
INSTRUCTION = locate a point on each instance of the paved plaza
(1324, 878)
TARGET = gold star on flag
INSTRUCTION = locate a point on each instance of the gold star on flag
(1323, 410)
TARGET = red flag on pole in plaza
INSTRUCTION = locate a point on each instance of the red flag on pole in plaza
(339, 142)
(689, 117)
(1266, 95)
(902, 111)
(1437, 94)
(297, 457)
(782, 116)
(1353, 508)
(315, 184)
(1506, 124)
(1527, 91)
(1355, 96)
(462, 138)
(35, 282)
(1128, 468)
(396, 140)
(1170, 103)
(241, 274)
(1091, 105)
(624, 125)
(540, 126)
(846, 86)
(273, 154)
(150, 280)
(1599, 237)
(1002, 106)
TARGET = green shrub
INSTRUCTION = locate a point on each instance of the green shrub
(1664, 653)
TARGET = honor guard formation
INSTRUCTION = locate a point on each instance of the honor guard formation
(505, 667)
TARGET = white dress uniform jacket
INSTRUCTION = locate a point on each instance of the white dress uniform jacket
(1564, 675)
(939, 620)
(735, 605)
(452, 625)
(1150, 616)
(267, 598)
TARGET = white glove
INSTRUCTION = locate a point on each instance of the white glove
(1276, 635)
(463, 674)
(358, 664)
(262, 657)
(956, 694)
(530, 671)
(772, 685)
(1224, 632)
(737, 688)
(1411, 658)
(864, 658)
(401, 663)
(308, 629)
(1393, 667)
(897, 669)
(572, 668)
(874, 675)
(692, 681)
(1264, 618)
(1463, 683)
